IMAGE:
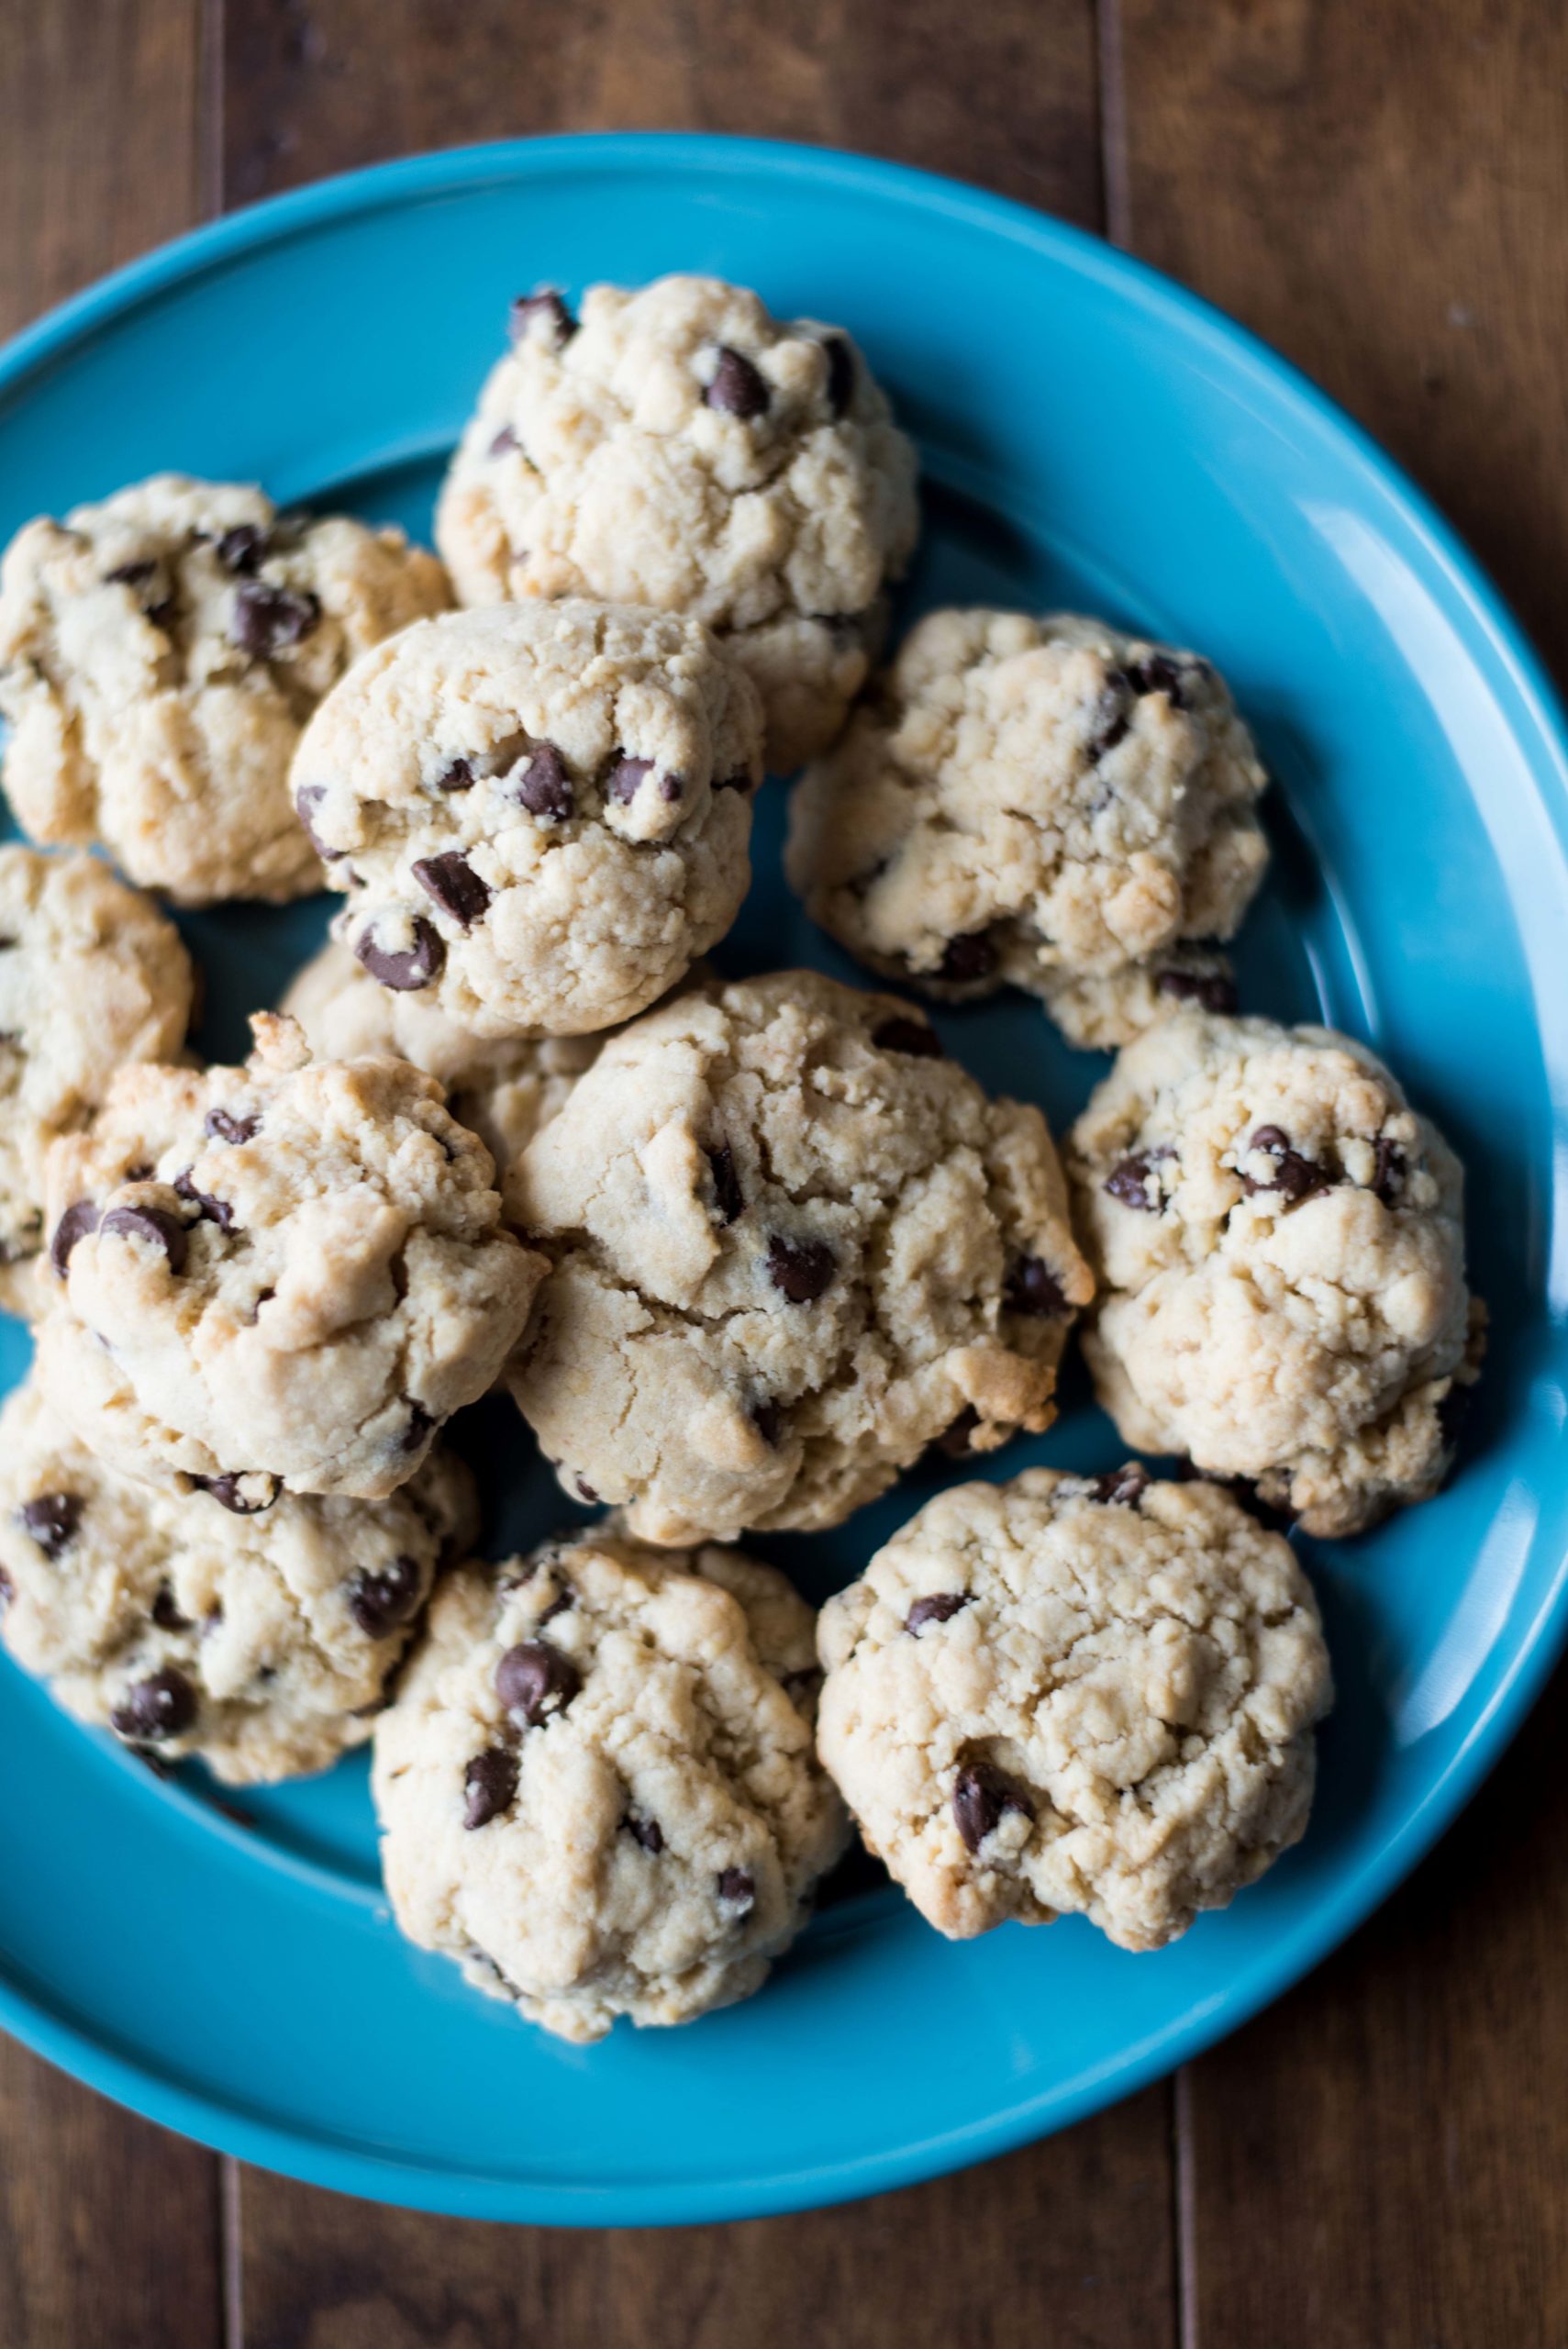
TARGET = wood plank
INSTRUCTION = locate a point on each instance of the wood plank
(1069, 2242)
(1379, 191)
(108, 2228)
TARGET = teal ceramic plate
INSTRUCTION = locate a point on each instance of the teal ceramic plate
(1093, 438)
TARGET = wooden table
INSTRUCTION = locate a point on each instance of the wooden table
(1381, 188)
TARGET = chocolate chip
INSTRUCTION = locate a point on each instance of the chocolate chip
(646, 1831)
(1156, 675)
(626, 773)
(457, 777)
(224, 1127)
(154, 1225)
(1113, 714)
(767, 1418)
(938, 1608)
(157, 1708)
(267, 619)
(505, 440)
(306, 800)
(729, 1198)
(246, 1492)
(380, 1602)
(565, 1600)
(1294, 1178)
(546, 304)
(585, 1492)
(912, 1035)
(1213, 990)
(738, 1887)
(420, 1422)
(130, 574)
(1122, 1487)
(241, 548)
(981, 1793)
(79, 1220)
(490, 1785)
(544, 788)
(1388, 1173)
(801, 1268)
(738, 388)
(165, 1613)
(407, 967)
(454, 886)
(954, 1438)
(965, 958)
(213, 1209)
(839, 354)
(51, 1519)
(1033, 1287)
(535, 1680)
(1129, 1182)
(672, 787)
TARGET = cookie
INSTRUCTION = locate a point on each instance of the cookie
(791, 1245)
(540, 811)
(596, 1785)
(1075, 1694)
(679, 447)
(1279, 1243)
(288, 1274)
(1046, 803)
(159, 654)
(91, 977)
(191, 1624)
(502, 1088)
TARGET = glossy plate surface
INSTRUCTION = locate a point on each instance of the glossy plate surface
(1092, 438)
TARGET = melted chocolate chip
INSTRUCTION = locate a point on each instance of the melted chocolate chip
(306, 800)
(967, 958)
(544, 786)
(535, 1680)
(407, 967)
(1212, 990)
(490, 1785)
(223, 1126)
(940, 1607)
(911, 1036)
(76, 1223)
(1294, 1178)
(1122, 1487)
(267, 619)
(51, 1519)
(1156, 675)
(739, 1888)
(626, 774)
(981, 1793)
(165, 1613)
(1388, 1173)
(729, 1198)
(840, 386)
(241, 548)
(246, 1492)
(380, 1602)
(157, 1708)
(646, 1831)
(1033, 1287)
(546, 304)
(954, 1438)
(801, 1268)
(155, 1226)
(212, 1209)
(738, 388)
(453, 884)
(1127, 1182)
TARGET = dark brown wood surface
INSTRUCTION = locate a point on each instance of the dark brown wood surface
(1381, 188)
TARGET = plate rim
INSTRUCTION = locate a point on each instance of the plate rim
(1537, 721)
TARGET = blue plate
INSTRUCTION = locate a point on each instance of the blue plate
(1093, 438)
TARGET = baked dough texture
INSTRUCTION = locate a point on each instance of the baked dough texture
(791, 1245)
(678, 446)
(596, 1785)
(159, 655)
(1042, 802)
(1072, 1694)
(1279, 1241)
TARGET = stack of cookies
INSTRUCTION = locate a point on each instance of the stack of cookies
(742, 1253)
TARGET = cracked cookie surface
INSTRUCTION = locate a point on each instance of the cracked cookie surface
(1075, 1694)
(540, 812)
(1044, 802)
(1279, 1241)
(159, 655)
(192, 1624)
(596, 1785)
(289, 1272)
(678, 446)
(791, 1244)
(92, 976)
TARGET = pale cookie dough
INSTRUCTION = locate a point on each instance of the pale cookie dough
(1279, 1242)
(1075, 1694)
(92, 976)
(791, 1246)
(678, 446)
(192, 1625)
(540, 811)
(289, 1272)
(1045, 802)
(596, 1784)
(159, 654)
(502, 1088)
